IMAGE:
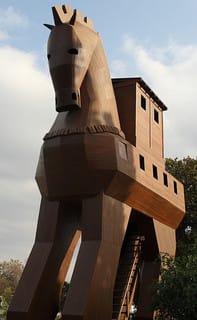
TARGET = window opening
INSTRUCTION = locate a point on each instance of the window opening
(74, 96)
(165, 179)
(155, 173)
(175, 187)
(142, 162)
(143, 102)
(123, 150)
(156, 116)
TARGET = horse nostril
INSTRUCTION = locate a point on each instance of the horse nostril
(67, 99)
(48, 56)
(73, 51)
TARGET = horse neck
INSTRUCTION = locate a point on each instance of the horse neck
(97, 90)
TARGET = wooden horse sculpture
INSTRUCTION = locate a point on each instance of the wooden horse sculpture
(78, 161)
(89, 177)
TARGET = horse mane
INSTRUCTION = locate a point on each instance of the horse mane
(65, 14)
(98, 128)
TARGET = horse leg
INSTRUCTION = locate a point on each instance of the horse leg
(37, 295)
(90, 295)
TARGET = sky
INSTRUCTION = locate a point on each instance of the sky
(153, 39)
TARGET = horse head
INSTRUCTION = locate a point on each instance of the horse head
(69, 53)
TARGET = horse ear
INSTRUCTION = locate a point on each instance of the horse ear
(89, 23)
(73, 18)
(62, 14)
(49, 26)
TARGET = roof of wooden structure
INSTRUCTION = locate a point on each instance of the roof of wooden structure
(144, 85)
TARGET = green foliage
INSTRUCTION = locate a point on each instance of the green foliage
(185, 171)
(64, 293)
(175, 295)
(63, 298)
(10, 273)
(5, 302)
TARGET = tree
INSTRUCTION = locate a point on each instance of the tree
(185, 171)
(10, 273)
(175, 295)
(64, 294)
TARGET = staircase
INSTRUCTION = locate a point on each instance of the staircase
(127, 276)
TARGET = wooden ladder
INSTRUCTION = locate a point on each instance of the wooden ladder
(127, 276)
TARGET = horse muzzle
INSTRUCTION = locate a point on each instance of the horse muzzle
(67, 99)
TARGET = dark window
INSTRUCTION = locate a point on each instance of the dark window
(142, 162)
(143, 102)
(175, 187)
(74, 96)
(155, 174)
(156, 116)
(165, 179)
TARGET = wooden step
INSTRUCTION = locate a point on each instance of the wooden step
(129, 261)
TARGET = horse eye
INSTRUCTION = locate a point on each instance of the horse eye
(73, 51)
(48, 56)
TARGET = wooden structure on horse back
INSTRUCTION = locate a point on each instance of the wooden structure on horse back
(101, 174)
